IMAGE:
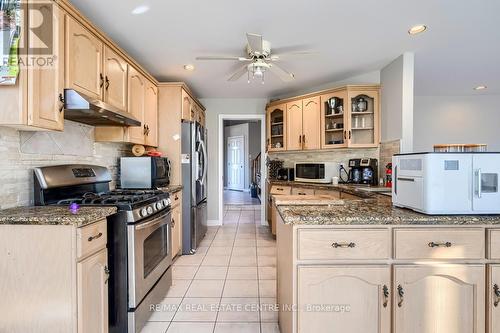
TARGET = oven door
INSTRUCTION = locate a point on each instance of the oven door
(149, 254)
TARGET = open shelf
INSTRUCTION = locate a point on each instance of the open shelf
(361, 113)
(334, 115)
(274, 124)
(334, 130)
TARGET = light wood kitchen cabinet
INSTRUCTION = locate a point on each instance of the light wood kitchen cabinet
(294, 125)
(334, 120)
(151, 115)
(439, 298)
(364, 118)
(493, 295)
(35, 101)
(176, 223)
(344, 299)
(311, 113)
(276, 128)
(93, 293)
(302, 191)
(136, 94)
(84, 54)
(115, 79)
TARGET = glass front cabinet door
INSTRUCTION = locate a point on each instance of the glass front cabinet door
(334, 120)
(276, 128)
(363, 109)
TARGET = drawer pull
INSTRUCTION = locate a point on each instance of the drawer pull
(434, 244)
(385, 294)
(176, 198)
(302, 193)
(279, 189)
(496, 292)
(401, 294)
(91, 238)
(343, 245)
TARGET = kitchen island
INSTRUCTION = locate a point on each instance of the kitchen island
(366, 266)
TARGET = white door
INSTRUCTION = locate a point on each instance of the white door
(235, 163)
(486, 177)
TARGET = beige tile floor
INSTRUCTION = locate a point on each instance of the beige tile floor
(228, 286)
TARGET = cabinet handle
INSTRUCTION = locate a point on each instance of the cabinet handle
(385, 294)
(61, 99)
(173, 223)
(350, 134)
(344, 245)
(91, 238)
(144, 127)
(345, 135)
(445, 244)
(302, 193)
(107, 82)
(107, 272)
(401, 294)
(300, 139)
(102, 80)
(496, 292)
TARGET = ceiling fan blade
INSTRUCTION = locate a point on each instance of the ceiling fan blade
(255, 43)
(283, 74)
(223, 58)
(239, 73)
(279, 56)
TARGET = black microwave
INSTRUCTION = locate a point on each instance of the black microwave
(144, 172)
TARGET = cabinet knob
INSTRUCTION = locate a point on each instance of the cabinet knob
(385, 295)
(496, 293)
(401, 294)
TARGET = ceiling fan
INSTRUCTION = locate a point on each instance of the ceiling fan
(258, 60)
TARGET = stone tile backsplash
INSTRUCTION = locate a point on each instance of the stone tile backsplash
(20, 152)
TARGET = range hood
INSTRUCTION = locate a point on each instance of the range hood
(83, 109)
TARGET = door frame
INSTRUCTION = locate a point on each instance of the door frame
(263, 169)
(244, 162)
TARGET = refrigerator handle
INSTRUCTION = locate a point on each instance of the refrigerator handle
(204, 151)
(478, 181)
(396, 180)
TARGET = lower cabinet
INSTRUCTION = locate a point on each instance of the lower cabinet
(439, 298)
(344, 299)
(176, 223)
(93, 293)
(494, 299)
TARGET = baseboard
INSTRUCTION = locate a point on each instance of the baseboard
(213, 223)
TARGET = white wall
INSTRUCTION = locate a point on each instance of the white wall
(397, 101)
(456, 119)
(215, 107)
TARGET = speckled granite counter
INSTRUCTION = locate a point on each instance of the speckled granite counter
(171, 188)
(358, 190)
(54, 215)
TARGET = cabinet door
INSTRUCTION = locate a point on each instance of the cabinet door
(494, 299)
(440, 298)
(115, 79)
(276, 127)
(83, 60)
(151, 114)
(136, 90)
(294, 125)
(344, 299)
(364, 121)
(188, 111)
(46, 84)
(334, 121)
(176, 230)
(311, 123)
(93, 293)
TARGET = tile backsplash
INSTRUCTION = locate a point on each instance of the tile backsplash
(22, 151)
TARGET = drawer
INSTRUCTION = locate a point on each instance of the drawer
(278, 189)
(302, 191)
(494, 244)
(332, 193)
(91, 238)
(439, 243)
(344, 244)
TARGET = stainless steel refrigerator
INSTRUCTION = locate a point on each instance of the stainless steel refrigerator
(194, 179)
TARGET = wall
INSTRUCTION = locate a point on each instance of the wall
(22, 151)
(456, 119)
(397, 101)
(216, 107)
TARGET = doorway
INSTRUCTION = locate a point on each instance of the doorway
(242, 150)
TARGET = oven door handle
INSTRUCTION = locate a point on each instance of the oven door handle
(153, 221)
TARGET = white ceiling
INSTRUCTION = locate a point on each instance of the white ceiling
(460, 50)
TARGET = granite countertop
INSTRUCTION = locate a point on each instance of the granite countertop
(54, 215)
(363, 191)
(171, 188)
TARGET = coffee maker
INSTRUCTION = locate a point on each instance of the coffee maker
(363, 171)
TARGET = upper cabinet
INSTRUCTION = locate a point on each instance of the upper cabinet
(136, 93)
(115, 79)
(276, 127)
(338, 118)
(84, 54)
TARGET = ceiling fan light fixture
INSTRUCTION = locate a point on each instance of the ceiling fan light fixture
(417, 29)
(480, 87)
(189, 67)
(141, 9)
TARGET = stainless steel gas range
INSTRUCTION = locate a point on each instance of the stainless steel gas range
(139, 237)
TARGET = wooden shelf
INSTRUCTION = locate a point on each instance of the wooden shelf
(361, 113)
(334, 130)
(277, 136)
(334, 115)
(274, 124)
(362, 128)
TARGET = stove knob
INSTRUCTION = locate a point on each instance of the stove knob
(150, 210)
(159, 205)
(143, 212)
(165, 202)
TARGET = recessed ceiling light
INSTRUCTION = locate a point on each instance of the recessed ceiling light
(416, 29)
(189, 67)
(481, 87)
(140, 9)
